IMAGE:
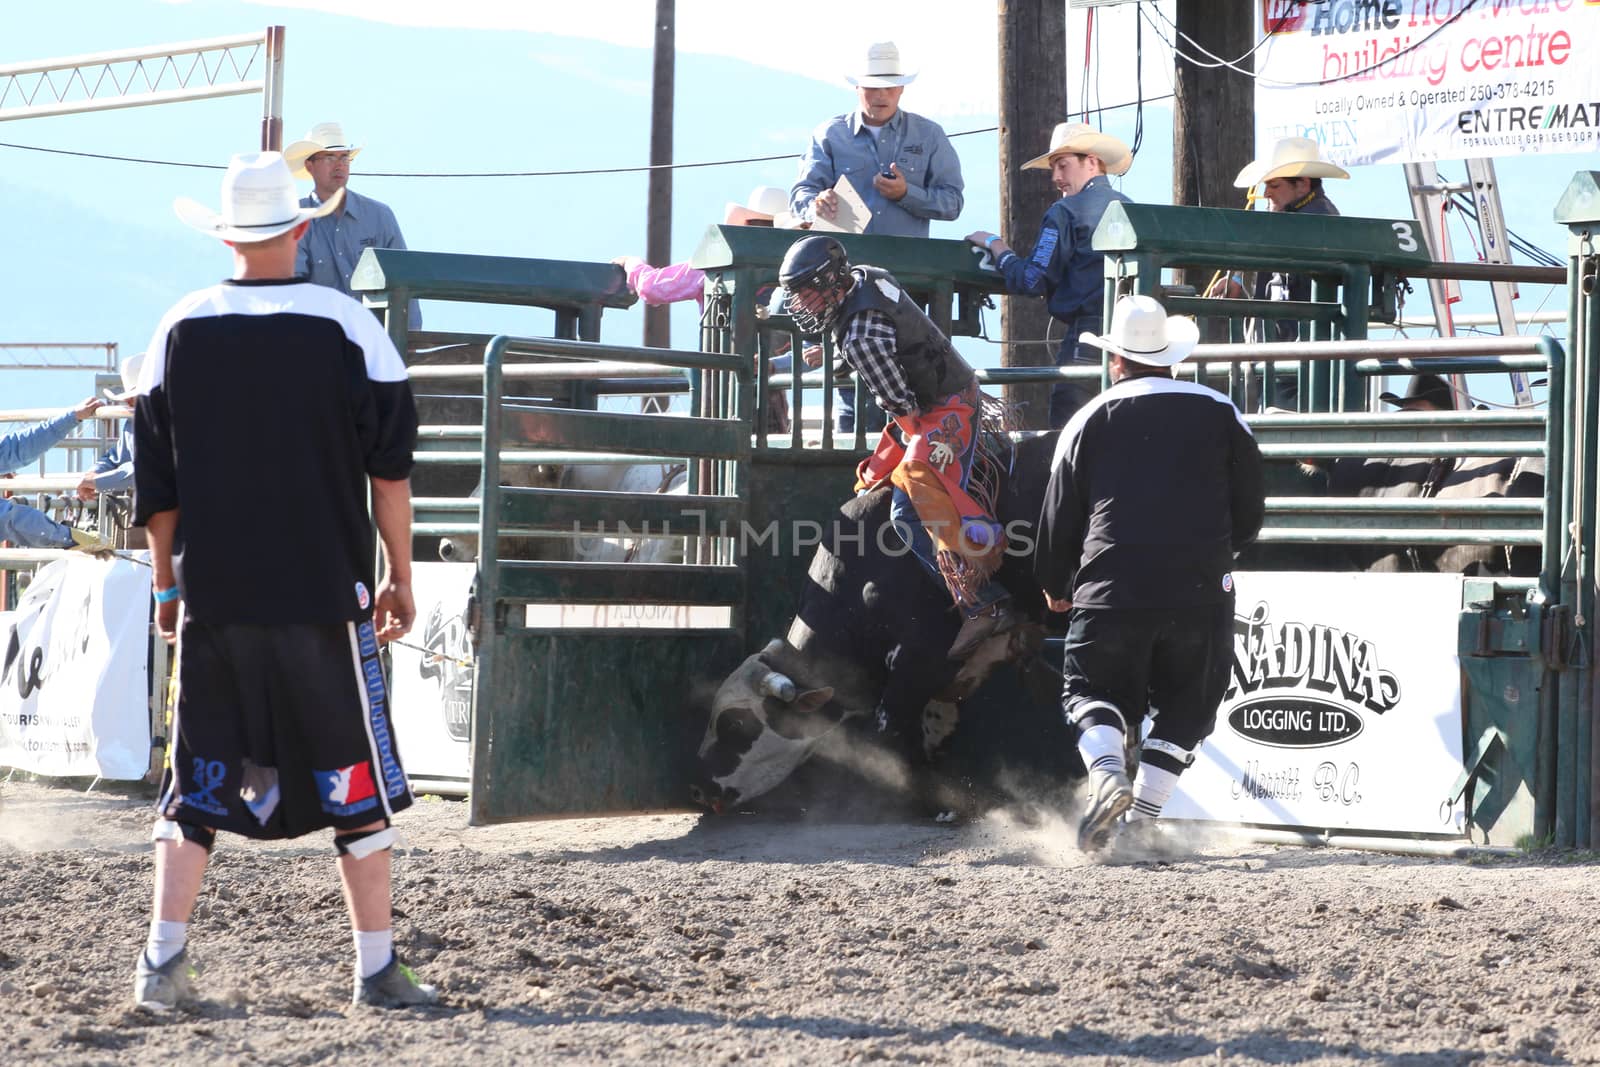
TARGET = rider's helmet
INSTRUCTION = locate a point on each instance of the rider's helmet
(815, 275)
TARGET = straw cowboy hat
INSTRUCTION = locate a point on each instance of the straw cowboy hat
(130, 379)
(324, 137)
(884, 69)
(1081, 138)
(1141, 330)
(258, 201)
(767, 203)
(1292, 157)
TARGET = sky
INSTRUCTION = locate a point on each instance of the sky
(96, 255)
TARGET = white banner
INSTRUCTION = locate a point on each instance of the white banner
(1402, 81)
(431, 676)
(74, 685)
(1343, 712)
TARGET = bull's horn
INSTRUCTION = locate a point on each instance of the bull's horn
(778, 685)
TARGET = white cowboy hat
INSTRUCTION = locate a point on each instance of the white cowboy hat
(884, 69)
(1292, 157)
(258, 201)
(324, 137)
(130, 379)
(1085, 139)
(1141, 330)
(766, 202)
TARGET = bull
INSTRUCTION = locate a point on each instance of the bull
(865, 654)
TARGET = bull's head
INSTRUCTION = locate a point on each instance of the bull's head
(762, 727)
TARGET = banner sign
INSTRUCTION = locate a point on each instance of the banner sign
(432, 674)
(75, 684)
(1404, 81)
(1342, 713)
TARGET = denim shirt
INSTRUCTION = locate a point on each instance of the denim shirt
(113, 471)
(1063, 266)
(842, 146)
(28, 527)
(19, 449)
(1281, 285)
(333, 245)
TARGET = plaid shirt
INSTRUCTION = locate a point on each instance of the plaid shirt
(869, 346)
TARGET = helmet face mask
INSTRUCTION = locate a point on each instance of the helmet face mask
(816, 278)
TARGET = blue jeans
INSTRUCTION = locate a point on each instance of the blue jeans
(875, 417)
(1067, 397)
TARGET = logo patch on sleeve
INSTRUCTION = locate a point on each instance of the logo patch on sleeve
(363, 598)
(888, 289)
(347, 790)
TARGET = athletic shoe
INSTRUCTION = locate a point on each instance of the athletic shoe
(395, 986)
(159, 989)
(1110, 794)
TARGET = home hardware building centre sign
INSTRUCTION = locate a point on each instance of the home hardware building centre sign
(1400, 81)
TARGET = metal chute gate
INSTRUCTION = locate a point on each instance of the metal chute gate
(589, 719)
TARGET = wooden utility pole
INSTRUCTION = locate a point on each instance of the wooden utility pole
(1213, 122)
(1033, 98)
(658, 232)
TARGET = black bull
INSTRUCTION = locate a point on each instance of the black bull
(866, 655)
(1475, 478)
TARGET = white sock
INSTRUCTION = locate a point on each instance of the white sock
(166, 941)
(1151, 791)
(1101, 748)
(374, 950)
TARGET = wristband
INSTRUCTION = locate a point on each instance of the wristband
(993, 237)
(166, 596)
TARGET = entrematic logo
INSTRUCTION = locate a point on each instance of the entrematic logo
(1303, 685)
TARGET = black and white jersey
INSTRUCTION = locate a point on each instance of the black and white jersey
(264, 407)
(1154, 485)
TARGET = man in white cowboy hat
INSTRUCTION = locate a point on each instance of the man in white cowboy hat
(1291, 179)
(28, 527)
(329, 253)
(1156, 483)
(113, 471)
(902, 165)
(1063, 267)
(281, 725)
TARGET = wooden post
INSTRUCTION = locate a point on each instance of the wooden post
(658, 233)
(1213, 122)
(272, 92)
(1033, 98)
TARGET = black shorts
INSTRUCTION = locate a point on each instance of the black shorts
(1175, 661)
(281, 730)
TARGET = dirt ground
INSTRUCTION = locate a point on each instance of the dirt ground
(676, 939)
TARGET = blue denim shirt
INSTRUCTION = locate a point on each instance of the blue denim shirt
(28, 527)
(114, 469)
(1063, 266)
(19, 449)
(333, 245)
(20, 524)
(842, 146)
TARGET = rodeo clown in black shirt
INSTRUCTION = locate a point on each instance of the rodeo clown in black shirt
(1155, 485)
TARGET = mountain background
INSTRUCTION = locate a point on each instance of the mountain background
(92, 252)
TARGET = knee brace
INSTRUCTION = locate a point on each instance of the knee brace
(171, 830)
(1166, 755)
(364, 843)
(1092, 711)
